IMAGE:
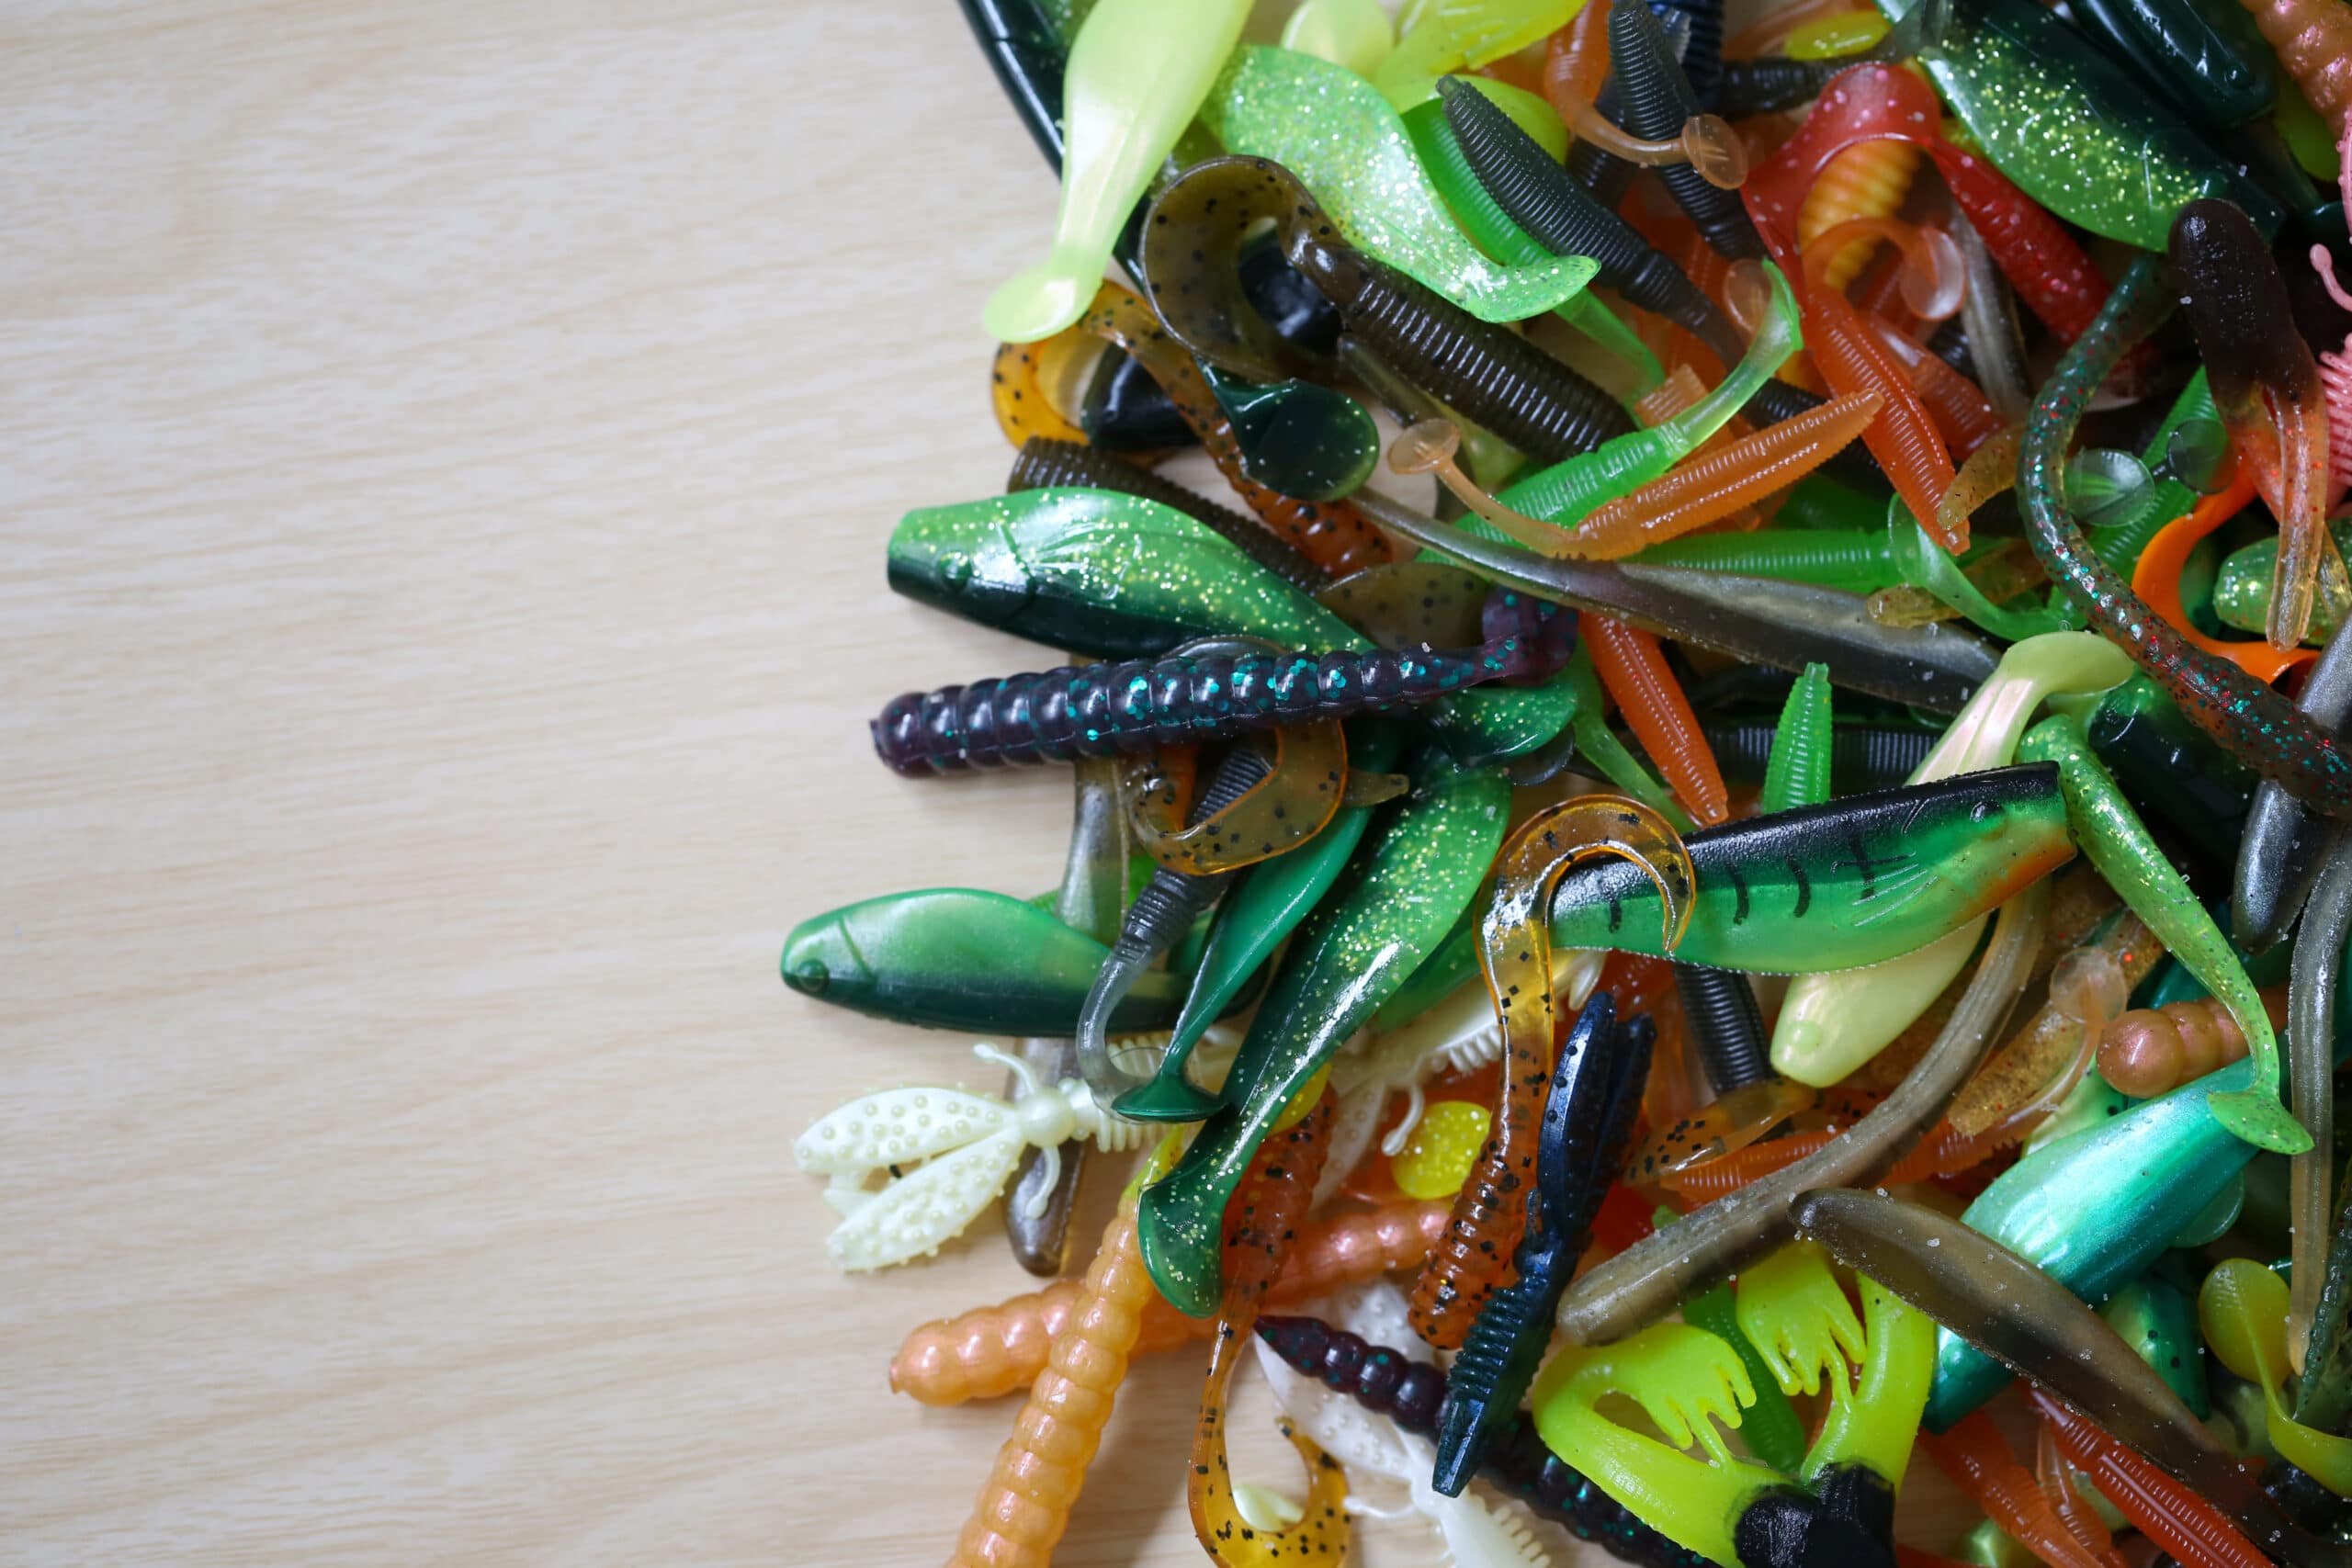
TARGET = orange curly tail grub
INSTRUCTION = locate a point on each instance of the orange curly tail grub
(993, 1350)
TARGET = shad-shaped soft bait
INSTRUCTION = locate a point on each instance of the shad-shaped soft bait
(967, 1143)
(1832, 1025)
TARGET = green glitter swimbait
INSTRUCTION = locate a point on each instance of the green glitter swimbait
(1121, 577)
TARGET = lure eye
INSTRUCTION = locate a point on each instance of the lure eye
(809, 977)
(1984, 811)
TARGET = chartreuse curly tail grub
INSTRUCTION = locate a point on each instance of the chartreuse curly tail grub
(2243, 1307)
(2118, 844)
(1831, 1025)
(1416, 870)
(1685, 1381)
(1137, 72)
(1334, 130)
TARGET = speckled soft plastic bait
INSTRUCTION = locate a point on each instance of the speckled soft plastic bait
(1047, 464)
(2253, 723)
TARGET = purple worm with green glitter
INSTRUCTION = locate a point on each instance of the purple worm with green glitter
(2255, 724)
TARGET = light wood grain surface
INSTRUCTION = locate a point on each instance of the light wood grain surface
(448, 449)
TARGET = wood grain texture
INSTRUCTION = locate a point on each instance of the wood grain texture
(449, 451)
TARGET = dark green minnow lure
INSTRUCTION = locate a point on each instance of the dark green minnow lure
(959, 958)
(1120, 577)
(1419, 867)
(1865, 878)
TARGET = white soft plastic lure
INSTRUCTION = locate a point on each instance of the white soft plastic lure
(1476, 1534)
(968, 1146)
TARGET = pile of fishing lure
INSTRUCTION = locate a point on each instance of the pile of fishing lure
(1762, 928)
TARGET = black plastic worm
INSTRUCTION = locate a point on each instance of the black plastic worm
(1657, 99)
(1412, 1393)
(1764, 86)
(1725, 1025)
(1101, 710)
(1565, 218)
(1489, 373)
(1047, 464)
(1701, 48)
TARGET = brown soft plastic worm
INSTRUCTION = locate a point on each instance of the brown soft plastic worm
(1025, 1502)
(993, 1350)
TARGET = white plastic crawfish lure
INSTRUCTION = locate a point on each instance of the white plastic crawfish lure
(968, 1146)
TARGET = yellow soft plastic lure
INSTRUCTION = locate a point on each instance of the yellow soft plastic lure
(2243, 1309)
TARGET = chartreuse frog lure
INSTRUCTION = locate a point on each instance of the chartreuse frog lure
(1831, 1025)
(968, 1146)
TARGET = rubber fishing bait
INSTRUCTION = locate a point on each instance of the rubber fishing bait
(967, 1145)
(1101, 710)
(1580, 1149)
(1515, 951)
(1655, 99)
(2255, 724)
(1046, 464)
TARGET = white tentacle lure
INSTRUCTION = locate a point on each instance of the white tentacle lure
(968, 1146)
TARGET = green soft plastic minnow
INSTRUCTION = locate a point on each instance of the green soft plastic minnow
(1418, 868)
(1122, 577)
(2118, 844)
(1334, 130)
(959, 958)
(2157, 1315)
(1863, 879)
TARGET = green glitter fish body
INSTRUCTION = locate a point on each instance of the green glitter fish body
(1334, 130)
(1121, 577)
(1417, 870)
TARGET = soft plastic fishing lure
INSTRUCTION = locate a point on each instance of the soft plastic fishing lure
(963, 1147)
(2314, 43)
(1829, 1025)
(1408, 882)
(2152, 1051)
(1451, 35)
(1647, 1279)
(1410, 1393)
(1101, 710)
(1515, 951)
(2255, 724)
(1977, 1459)
(1656, 102)
(1580, 1149)
(2156, 578)
(1346, 144)
(1137, 72)
(2267, 389)
(1267, 1208)
(2168, 1513)
(1632, 667)
(1024, 1505)
(1046, 464)
(992, 1350)
(2089, 987)
(2318, 969)
(957, 958)
(2243, 1307)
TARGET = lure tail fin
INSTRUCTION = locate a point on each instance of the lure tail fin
(2259, 1118)
(1039, 301)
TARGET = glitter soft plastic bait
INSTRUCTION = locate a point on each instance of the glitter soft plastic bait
(1908, 553)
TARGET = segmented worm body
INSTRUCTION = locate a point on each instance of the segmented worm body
(1977, 1459)
(1657, 99)
(2152, 1051)
(1566, 220)
(992, 1350)
(1412, 1393)
(2168, 1512)
(1048, 463)
(1142, 704)
(2258, 725)
(1861, 756)
(1331, 533)
(1632, 667)
(2313, 38)
(1025, 1503)
(2066, 1500)
(1726, 1027)
(1869, 179)
(1774, 83)
(2335, 384)
(1947, 1150)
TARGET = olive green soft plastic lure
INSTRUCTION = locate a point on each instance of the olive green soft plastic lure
(1334, 130)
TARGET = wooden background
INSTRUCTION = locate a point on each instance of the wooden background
(447, 453)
